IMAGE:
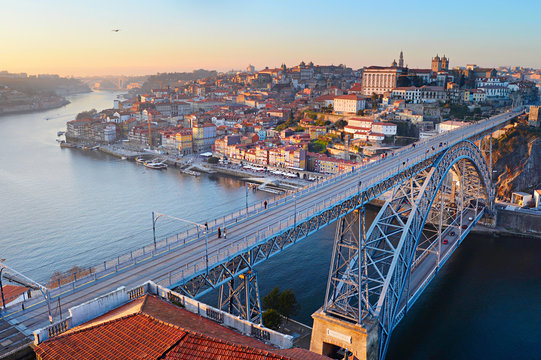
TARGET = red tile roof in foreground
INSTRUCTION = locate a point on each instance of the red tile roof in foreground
(196, 346)
(149, 328)
(136, 336)
(140, 336)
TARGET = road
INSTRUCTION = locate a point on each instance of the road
(243, 229)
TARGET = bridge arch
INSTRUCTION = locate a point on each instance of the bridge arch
(398, 228)
(373, 288)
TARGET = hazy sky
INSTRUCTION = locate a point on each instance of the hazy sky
(75, 38)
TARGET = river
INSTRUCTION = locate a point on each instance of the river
(66, 207)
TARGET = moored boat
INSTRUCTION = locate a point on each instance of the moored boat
(155, 165)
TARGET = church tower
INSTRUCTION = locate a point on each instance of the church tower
(445, 63)
(436, 64)
(401, 60)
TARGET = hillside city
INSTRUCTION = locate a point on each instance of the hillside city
(322, 119)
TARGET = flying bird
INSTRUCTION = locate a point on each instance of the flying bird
(116, 30)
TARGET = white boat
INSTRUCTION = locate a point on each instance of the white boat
(155, 165)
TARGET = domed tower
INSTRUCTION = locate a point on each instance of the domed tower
(393, 64)
(436, 64)
(445, 63)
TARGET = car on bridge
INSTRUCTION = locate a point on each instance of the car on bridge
(445, 241)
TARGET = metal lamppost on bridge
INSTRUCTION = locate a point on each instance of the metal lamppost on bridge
(204, 227)
(44, 291)
(246, 188)
(1, 286)
(295, 219)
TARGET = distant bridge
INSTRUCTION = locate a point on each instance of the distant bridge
(375, 275)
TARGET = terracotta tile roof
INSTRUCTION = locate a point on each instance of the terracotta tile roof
(149, 328)
(11, 292)
(136, 336)
(300, 354)
(184, 319)
(196, 346)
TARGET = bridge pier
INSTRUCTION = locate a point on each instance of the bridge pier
(242, 299)
(332, 336)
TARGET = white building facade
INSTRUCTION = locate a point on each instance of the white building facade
(349, 104)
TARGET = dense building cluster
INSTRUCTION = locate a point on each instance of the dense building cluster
(307, 116)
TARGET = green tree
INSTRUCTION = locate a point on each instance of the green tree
(360, 112)
(270, 301)
(317, 147)
(287, 303)
(272, 319)
(340, 124)
(213, 160)
(86, 114)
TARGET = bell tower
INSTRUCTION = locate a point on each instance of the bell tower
(436, 64)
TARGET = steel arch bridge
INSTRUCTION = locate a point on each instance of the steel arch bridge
(377, 274)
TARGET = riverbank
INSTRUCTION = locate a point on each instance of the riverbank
(31, 110)
(264, 181)
(518, 222)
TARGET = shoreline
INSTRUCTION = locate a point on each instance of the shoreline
(285, 184)
(31, 111)
(479, 229)
(498, 231)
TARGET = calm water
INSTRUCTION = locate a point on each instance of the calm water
(65, 207)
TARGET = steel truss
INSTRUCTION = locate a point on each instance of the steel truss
(343, 286)
(396, 240)
(243, 299)
(244, 261)
(219, 274)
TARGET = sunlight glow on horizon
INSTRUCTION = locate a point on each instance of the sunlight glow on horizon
(70, 38)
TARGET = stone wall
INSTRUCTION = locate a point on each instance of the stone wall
(520, 222)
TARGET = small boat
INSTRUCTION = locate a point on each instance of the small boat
(123, 158)
(64, 144)
(140, 160)
(60, 133)
(190, 172)
(155, 165)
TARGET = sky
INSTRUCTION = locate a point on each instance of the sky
(76, 38)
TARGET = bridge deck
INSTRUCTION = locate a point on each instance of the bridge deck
(183, 261)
